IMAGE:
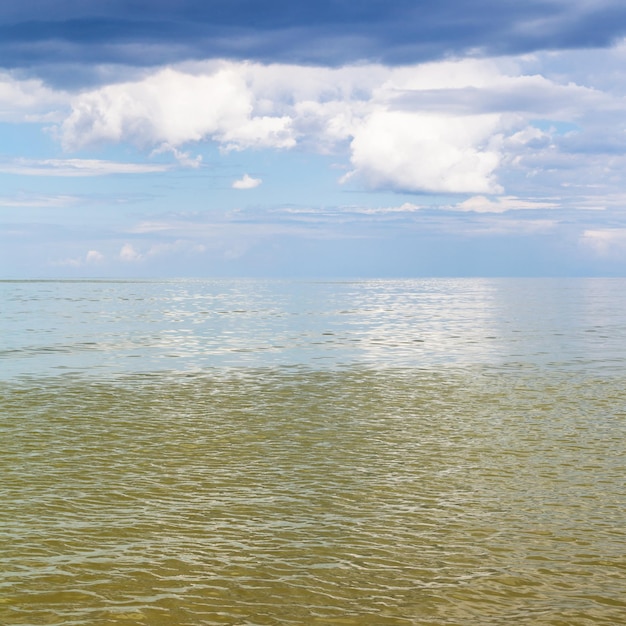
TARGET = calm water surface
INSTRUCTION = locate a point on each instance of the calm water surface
(370, 452)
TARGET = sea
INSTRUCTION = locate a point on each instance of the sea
(297, 452)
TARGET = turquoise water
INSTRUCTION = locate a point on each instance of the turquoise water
(269, 452)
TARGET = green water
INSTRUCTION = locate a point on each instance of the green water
(289, 496)
(412, 452)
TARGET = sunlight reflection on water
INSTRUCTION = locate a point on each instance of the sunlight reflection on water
(379, 452)
(112, 327)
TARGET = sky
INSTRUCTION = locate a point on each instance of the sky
(327, 139)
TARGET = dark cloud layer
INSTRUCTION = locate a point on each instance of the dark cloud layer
(38, 35)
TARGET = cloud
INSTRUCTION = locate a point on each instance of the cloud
(174, 107)
(184, 158)
(76, 167)
(31, 201)
(128, 254)
(46, 34)
(30, 100)
(476, 126)
(492, 226)
(481, 204)
(440, 127)
(406, 208)
(92, 257)
(248, 105)
(247, 182)
(534, 96)
(216, 230)
(605, 242)
(427, 152)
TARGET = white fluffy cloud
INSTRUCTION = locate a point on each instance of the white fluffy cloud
(443, 127)
(428, 152)
(174, 108)
(30, 100)
(246, 182)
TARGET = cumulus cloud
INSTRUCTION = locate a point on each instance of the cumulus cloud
(427, 152)
(253, 106)
(30, 100)
(92, 257)
(174, 107)
(246, 182)
(128, 254)
(439, 127)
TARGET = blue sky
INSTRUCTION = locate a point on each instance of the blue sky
(300, 139)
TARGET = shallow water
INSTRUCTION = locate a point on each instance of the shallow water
(376, 452)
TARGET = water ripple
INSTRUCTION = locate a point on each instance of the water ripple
(279, 496)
